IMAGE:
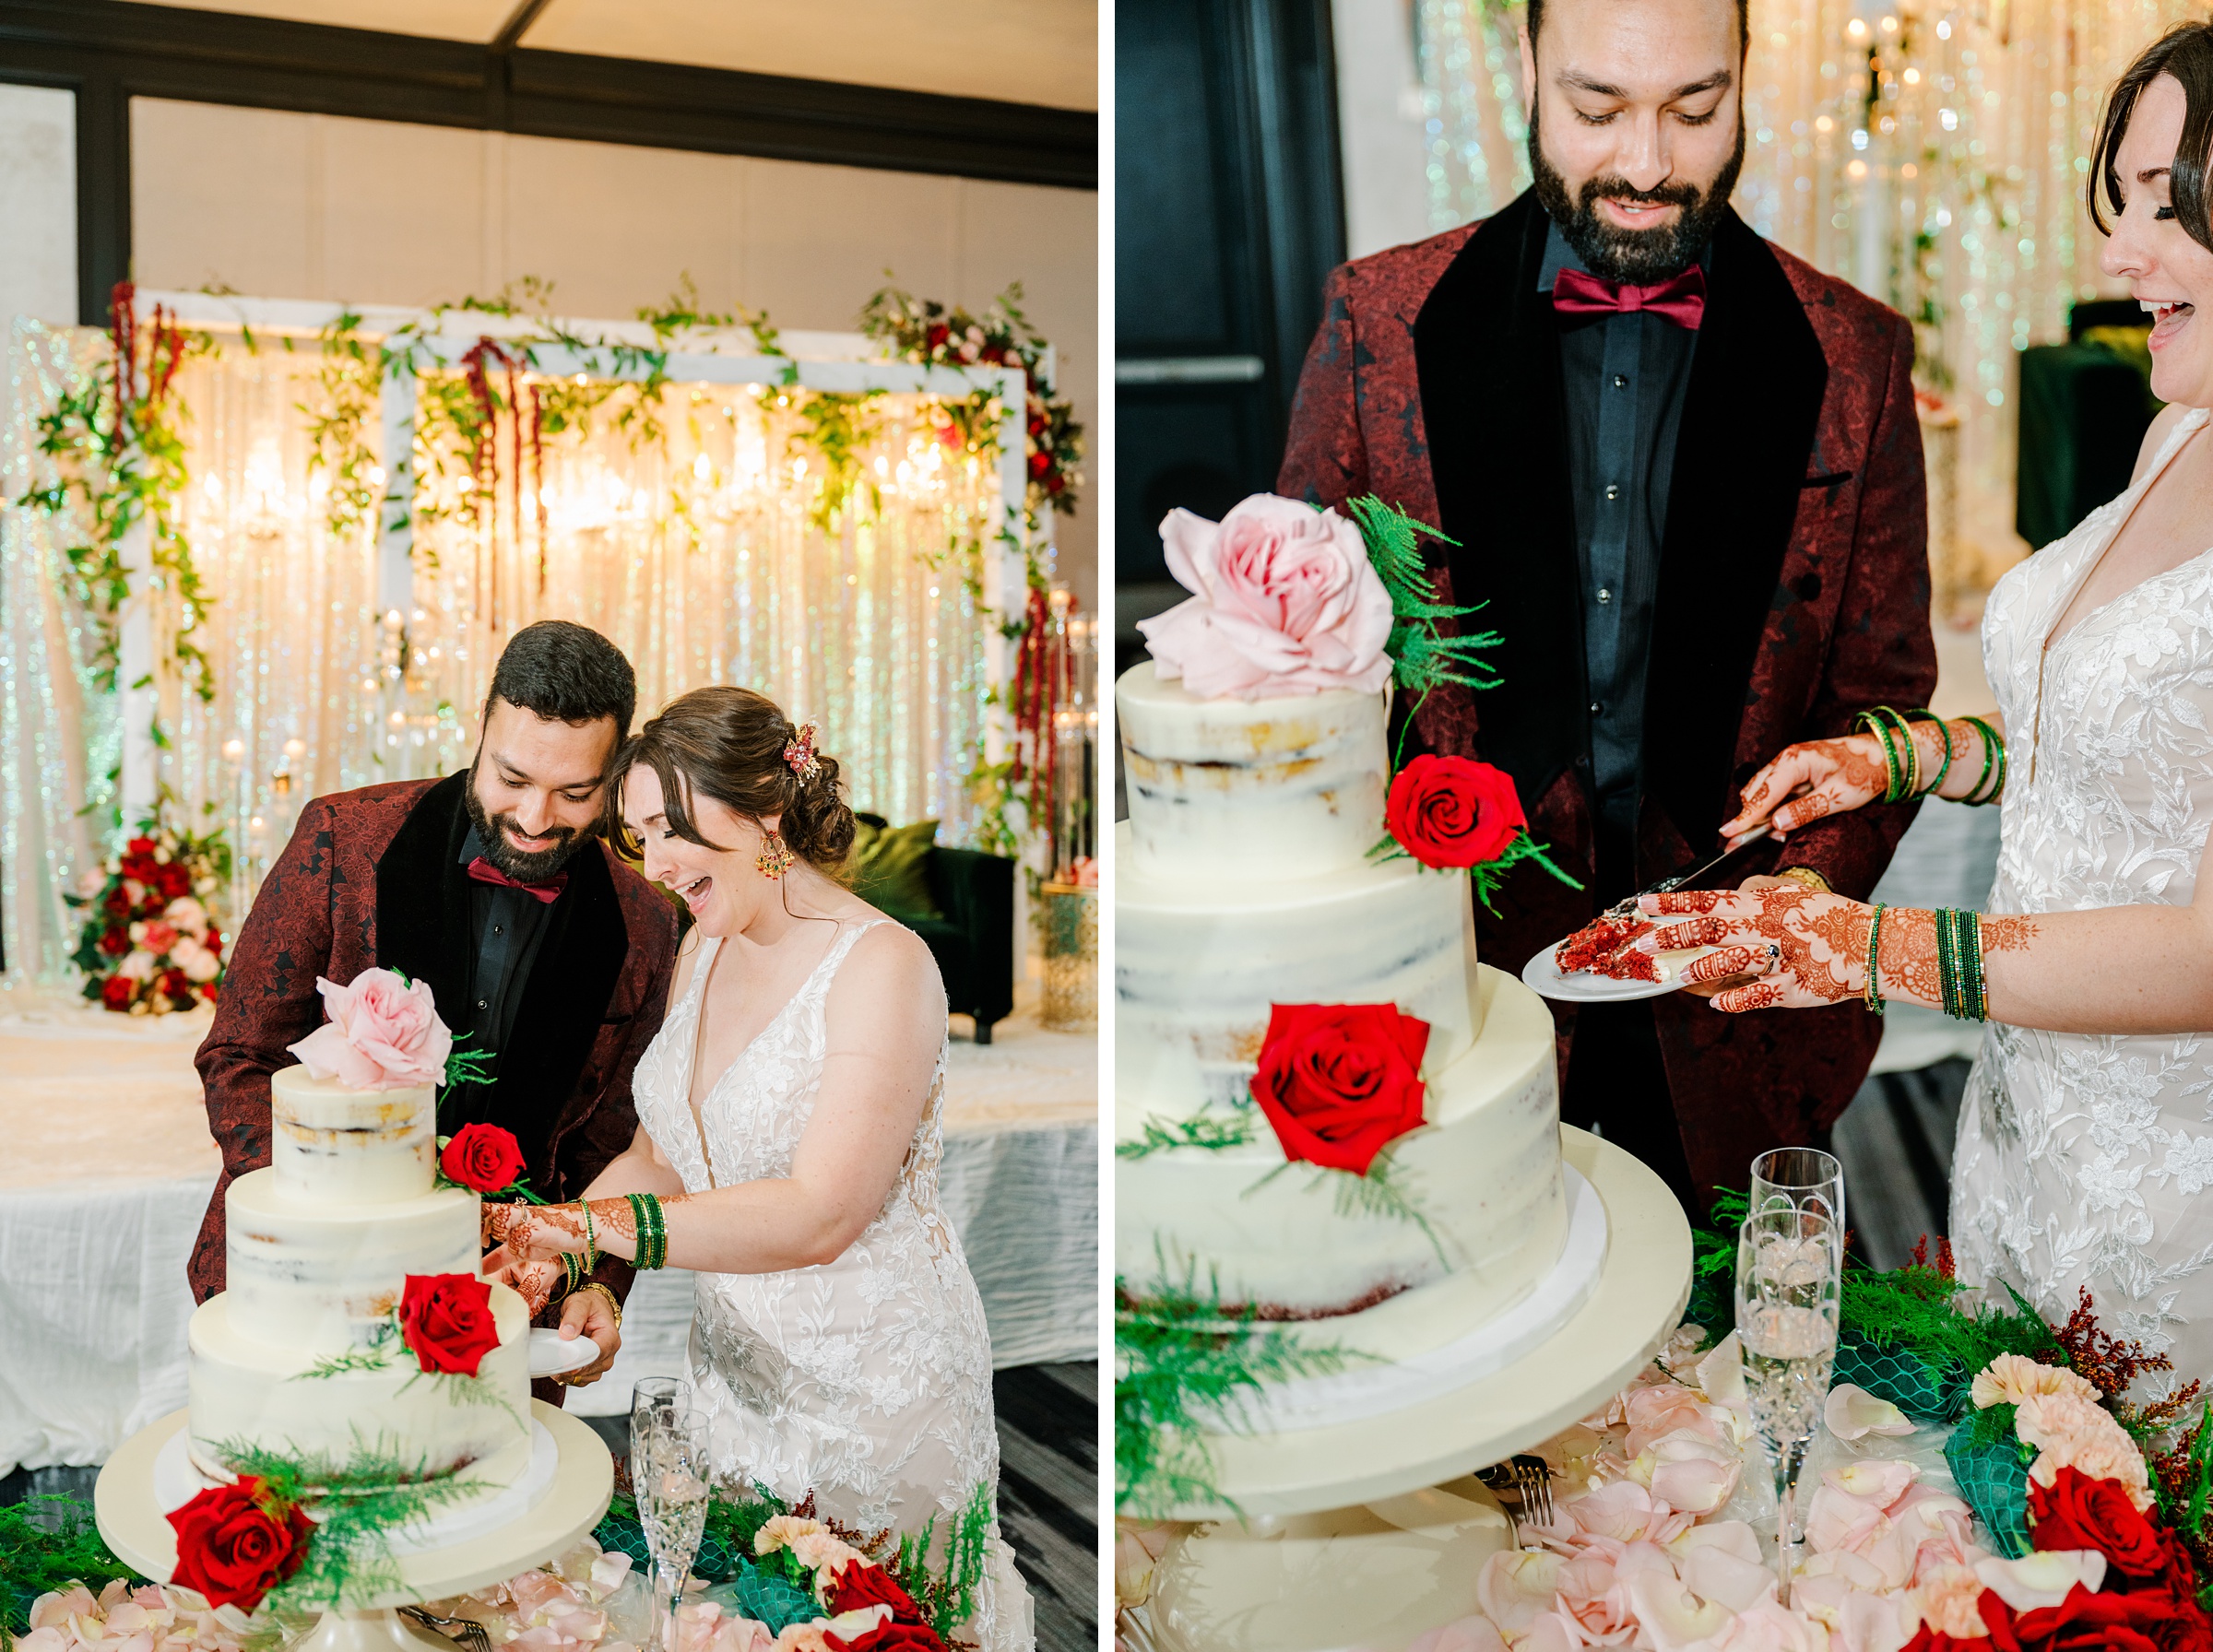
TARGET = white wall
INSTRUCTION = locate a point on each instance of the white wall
(38, 203)
(317, 206)
(1380, 124)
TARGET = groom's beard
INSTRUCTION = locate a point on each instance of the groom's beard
(491, 831)
(1640, 257)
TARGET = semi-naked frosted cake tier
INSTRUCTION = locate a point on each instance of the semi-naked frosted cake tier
(1198, 965)
(1281, 787)
(350, 1146)
(309, 1273)
(1484, 1174)
(246, 1390)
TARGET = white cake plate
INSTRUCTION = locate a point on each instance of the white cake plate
(132, 1521)
(1638, 1300)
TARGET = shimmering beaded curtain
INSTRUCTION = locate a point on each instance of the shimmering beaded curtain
(1933, 155)
(714, 557)
(1471, 93)
(60, 736)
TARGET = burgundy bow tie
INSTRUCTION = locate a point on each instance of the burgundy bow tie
(483, 871)
(1681, 299)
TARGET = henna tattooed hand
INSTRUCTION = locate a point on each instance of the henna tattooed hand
(534, 1233)
(1808, 781)
(533, 1282)
(1804, 949)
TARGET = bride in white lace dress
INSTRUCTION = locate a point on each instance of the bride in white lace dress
(2086, 1136)
(791, 1128)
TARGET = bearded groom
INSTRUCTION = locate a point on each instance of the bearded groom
(494, 887)
(1685, 473)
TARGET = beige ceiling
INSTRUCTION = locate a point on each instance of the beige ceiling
(1022, 51)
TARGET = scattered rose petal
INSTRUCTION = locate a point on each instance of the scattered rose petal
(1712, 1573)
(1671, 1617)
(1853, 1413)
(1514, 1584)
(2043, 1578)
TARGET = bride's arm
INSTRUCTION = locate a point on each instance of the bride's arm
(883, 1022)
(2116, 969)
(1816, 778)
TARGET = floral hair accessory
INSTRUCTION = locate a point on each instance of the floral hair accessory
(799, 751)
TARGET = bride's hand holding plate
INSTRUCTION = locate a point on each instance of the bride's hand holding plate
(1799, 949)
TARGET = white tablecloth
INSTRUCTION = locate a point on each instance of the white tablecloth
(106, 1167)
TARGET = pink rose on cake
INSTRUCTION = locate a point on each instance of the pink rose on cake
(1285, 603)
(384, 1034)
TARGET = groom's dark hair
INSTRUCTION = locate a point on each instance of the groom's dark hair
(2186, 53)
(567, 673)
(1535, 17)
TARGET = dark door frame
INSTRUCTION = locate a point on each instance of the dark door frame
(108, 52)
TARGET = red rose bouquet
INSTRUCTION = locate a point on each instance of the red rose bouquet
(237, 1543)
(1339, 1082)
(445, 1320)
(149, 944)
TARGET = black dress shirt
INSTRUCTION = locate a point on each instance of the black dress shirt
(508, 924)
(1623, 378)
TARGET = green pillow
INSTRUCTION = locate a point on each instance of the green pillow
(889, 868)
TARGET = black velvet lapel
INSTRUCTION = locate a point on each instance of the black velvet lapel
(1749, 419)
(1487, 355)
(423, 899)
(572, 981)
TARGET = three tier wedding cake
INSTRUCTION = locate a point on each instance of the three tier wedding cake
(356, 1328)
(1330, 1117)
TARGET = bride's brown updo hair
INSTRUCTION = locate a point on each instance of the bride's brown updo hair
(727, 744)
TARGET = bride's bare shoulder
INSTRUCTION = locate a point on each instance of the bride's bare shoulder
(888, 963)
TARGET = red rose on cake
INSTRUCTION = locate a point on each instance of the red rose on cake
(1453, 811)
(236, 1542)
(482, 1158)
(447, 1320)
(1339, 1082)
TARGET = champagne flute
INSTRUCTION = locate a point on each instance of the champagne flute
(669, 1474)
(1804, 1177)
(1788, 1278)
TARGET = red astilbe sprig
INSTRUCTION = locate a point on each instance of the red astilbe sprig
(2109, 1363)
(1947, 1267)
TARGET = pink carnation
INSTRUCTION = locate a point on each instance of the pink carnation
(383, 1034)
(2071, 1432)
(1285, 603)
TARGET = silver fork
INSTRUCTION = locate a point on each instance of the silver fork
(469, 1632)
(1535, 1477)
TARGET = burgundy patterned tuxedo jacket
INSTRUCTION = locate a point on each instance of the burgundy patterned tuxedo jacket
(1793, 592)
(373, 877)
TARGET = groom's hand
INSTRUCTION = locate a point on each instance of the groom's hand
(590, 1313)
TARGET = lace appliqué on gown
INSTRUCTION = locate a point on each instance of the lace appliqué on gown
(2080, 1158)
(866, 1381)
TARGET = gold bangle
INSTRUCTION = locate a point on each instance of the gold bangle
(613, 1306)
(1807, 876)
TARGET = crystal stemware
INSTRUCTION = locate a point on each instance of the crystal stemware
(1788, 1276)
(1804, 1177)
(668, 1474)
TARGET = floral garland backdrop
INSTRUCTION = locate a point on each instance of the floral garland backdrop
(839, 537)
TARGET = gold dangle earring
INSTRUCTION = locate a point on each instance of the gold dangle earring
(774, 858)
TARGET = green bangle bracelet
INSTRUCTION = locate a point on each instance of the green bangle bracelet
(1994, 755)
(1875, 953)
(1944, 739)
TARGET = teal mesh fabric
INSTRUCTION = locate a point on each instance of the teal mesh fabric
(1929, 1393)
(775, 1601)
(1994, 1481)
(714, 1562)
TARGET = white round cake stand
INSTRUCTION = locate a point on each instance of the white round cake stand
(1642, 1288)
(136, 1527)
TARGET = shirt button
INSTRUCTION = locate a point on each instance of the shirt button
(481, 1005)
(1595, 710)
(1612, 490)
(1621, 380)
(496, 929)
(1605, 594)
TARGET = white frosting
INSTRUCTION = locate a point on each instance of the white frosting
(1284, 788)
(1197, 968)
(245, 1389)
(313, 1274)
(344, 1146)
(1484, 1174)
